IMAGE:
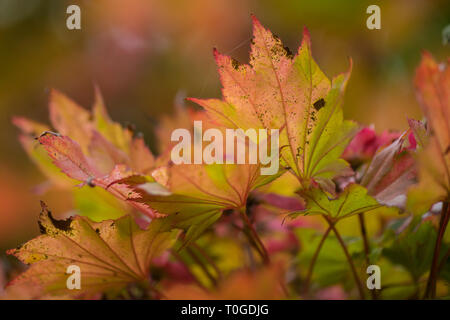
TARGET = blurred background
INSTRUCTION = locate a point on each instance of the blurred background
(145, 54)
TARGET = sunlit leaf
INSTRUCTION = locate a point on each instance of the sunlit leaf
(279, 91)
(110, 254)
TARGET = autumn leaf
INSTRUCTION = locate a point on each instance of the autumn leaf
(29, 131)
(101, 152)
(279, 91)
(390, 173)
(112, 131)
(68, 156)
(182, 117)
(194, 196)
(433, 91)
(104, 141)
(111, 255)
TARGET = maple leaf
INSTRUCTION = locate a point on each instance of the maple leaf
(183, 117)
(278, 91)
(68, 156)
(30, 130)
(111, 255)
(194, 196)
(89, 147)
(432, 83)
(352, 200)
(106, 142)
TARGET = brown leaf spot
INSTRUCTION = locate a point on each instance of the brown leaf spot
(63, 225)
(319, 104)
(235, 64)
(288, 53)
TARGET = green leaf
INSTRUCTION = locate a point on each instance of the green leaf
(413, 248)
(97, 204)
(353, 200)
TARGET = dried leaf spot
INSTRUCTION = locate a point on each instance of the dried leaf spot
(63, 225)
(235, 64)
(288, 53)
(319, 104)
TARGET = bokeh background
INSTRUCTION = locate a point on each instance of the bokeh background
(147, 55)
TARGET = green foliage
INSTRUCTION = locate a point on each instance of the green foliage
(412, 248)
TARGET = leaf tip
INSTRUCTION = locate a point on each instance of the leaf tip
(306, 36)
(350, 67)
(254, 18)
(256, 23)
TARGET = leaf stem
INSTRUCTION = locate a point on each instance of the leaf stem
(347, 255)
(314, 259)
(362, 224)
(202, 266)
(254, 238)
(208, 259)
(180, 259)
(430, 291)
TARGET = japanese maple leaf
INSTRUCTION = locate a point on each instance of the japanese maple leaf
(352, 200)
(195, 195)
(29, 131)
(68, 156)
(110, 255)
(89, 147)
(280, 91)
(432, 82)
(104, 141)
